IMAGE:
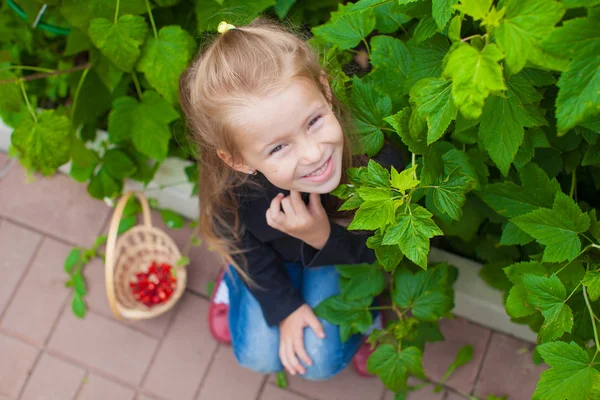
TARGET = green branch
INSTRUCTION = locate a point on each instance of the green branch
(117, 11)
(573, 182)
(589, 307)
(77, 91)
(29, 107)
(151, 20)
(137, 84)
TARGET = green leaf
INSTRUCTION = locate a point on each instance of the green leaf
(369, 109)
(347, 29)
(556, 228)
(571, 375)
(412, 230)
(442, 11)
(525, 24)
(393, 366)
(511, 200)
(103, 185)
(449, 193)
(72, 260)
(391, 62)
(282, 7)
(281, 377)
(100, 240)
(374, 194)
(45, 144)
(389, 17)
(425, 29)
(548, 295)
(165, 58)
(425, 292)
(516, 302)
(118, 164)
(433, 99)
(79, 284)
(144, 123)
(475, 8)
(430, 54)
(126, 224)
(353, 316)
(463, 357)
(377, 175)
(474, 75)
(79, 13)
(237, 12)
(171, 219)
(592, 155)
(592, 282)
(184, 261)
(83, 161)
(10, 93)
(77, 42)
(119, 42)
(404, 180)
(210, 288)
(512, 235)
(373, 215)
(78, 306)
(399, 122)
(364, 281)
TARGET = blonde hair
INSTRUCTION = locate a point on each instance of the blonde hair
(243, 63)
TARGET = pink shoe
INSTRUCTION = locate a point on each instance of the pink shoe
(218, 316)
(359, 361)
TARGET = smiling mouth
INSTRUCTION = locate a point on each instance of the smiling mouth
(320, 170)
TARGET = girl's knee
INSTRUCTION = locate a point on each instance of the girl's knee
(257, 360)
(326, 355)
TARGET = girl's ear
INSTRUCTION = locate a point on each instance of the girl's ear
(325, 84)
(228, 159)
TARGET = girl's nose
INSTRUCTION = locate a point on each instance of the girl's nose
(311, 152)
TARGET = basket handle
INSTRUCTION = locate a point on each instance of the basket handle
(111, 242)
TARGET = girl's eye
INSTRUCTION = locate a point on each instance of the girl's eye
(314, 120)
(276, 149)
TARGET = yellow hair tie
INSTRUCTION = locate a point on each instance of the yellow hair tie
(224, 27)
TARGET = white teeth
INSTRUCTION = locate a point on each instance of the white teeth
(319, 171)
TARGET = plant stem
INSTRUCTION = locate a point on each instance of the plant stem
(117, 11)
(589, 307)
(151, 20)
(586, 248)
(137, 84)
(78, 90)
(51, 72)
(29, 107)
(573, 292)
(469, 38)
(27, 68)
(367, 47)
(573, 182)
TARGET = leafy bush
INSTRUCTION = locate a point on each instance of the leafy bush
(496, 104)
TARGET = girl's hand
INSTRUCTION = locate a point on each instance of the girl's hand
(291, 338)
(309, 224)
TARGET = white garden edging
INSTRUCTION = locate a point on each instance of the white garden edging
(474, 299)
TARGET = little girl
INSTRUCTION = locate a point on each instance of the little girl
(271, 148)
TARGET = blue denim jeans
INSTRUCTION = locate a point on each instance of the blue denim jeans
(256, 345)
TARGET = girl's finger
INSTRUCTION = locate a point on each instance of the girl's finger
(288, 209)
(292, 359)
(315, 324)
(299, 347)
(298, 203)
(314, 204)
(275, 210)
(284, 359)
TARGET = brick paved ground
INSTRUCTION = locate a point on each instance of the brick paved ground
(46, 353)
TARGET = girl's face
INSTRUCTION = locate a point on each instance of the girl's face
(293, 138)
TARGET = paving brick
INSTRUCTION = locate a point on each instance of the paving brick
(57, 205)
(185, 353)
(274, 393)
(17, 247)
(204, 265)
(97, 301)
(99, 388)
(53, 379)
(439, 355)
(41, 295)
(508, 369)
(16, 364)
(454, 396)
(223, 371)
(3, 159)
(103, 344)
(347, 385)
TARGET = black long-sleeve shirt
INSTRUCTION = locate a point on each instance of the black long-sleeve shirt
(268, 249)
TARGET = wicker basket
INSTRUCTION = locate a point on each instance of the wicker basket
(133, 252)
